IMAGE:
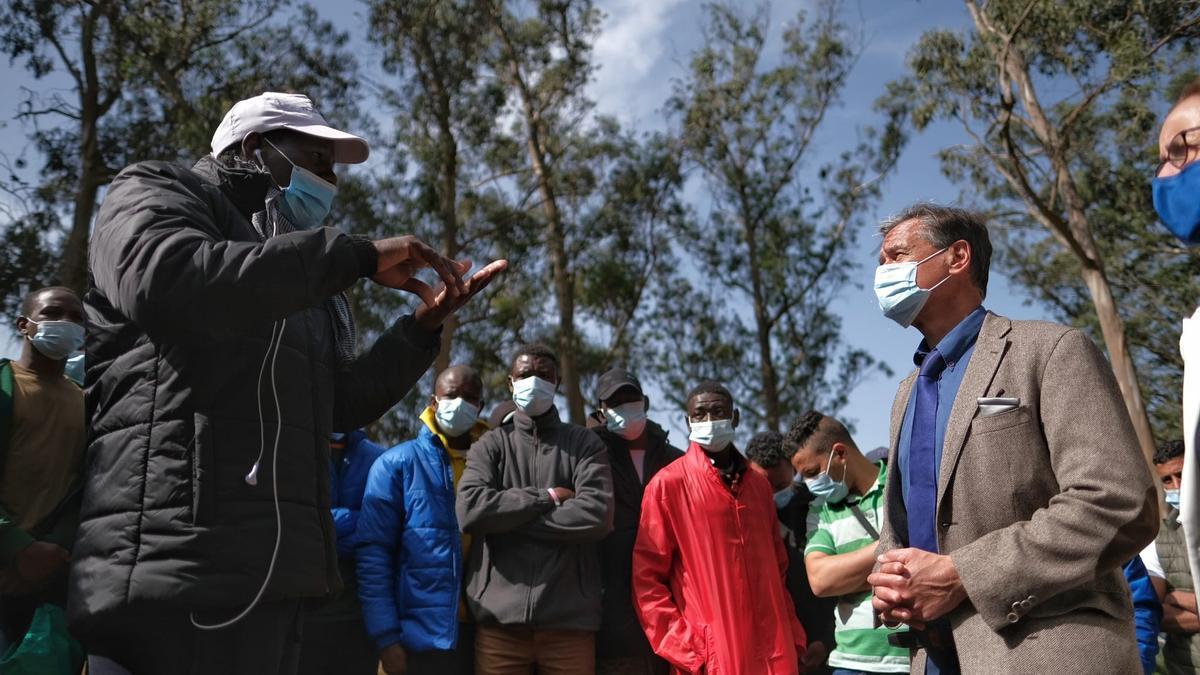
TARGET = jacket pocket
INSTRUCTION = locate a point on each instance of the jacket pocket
(202, 462)
(1005, 420)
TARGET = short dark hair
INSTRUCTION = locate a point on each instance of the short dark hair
(31, 297)
(1168, 450)
(1189, 90)
(766, 449)
(819, 429)
(944, 225)
(535, 350)
(710, 387)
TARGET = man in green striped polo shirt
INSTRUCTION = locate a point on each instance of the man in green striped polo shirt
(841, 549)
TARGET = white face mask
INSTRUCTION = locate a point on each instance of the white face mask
(713, 436)
(627, 420)
(533, 395)
(455, 416)
(900, 298)
(57, 340)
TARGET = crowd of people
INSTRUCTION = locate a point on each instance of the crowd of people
(203, 498)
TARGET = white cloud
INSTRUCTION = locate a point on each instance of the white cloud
(630, 51)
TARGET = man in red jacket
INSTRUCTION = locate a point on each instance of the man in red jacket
(709, 564)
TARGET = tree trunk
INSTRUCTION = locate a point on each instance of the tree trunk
(762, 326)
(449, 214)
(72, 271)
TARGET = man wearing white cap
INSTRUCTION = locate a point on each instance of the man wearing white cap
(221, 355)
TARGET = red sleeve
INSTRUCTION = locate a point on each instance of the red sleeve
(654, 555)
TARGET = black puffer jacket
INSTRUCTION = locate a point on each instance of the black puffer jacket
(620, 632)
(180, 311)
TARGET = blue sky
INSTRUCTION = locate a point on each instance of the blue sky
(644, 46)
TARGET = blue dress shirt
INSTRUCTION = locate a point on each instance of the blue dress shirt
(956, 348)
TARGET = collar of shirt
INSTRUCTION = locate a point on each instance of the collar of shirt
(957, 341)
(733, 473)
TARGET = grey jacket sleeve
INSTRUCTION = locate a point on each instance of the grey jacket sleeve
(159, 256)
(588, 516)
(483, 506)
(1105, 510)
(381, 376)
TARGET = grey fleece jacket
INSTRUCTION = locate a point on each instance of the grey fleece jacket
(533, 563)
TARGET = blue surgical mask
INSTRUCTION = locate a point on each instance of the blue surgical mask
(825, 488)
(56, 340)
(1177, 201)
(900, 298)
(627, 420)
(455, 416)
(713, 436)
(307, 198)
(1172, 497)
(533, 395)
(784, 497)
(74, 369)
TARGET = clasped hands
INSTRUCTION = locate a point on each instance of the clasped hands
(400, 258)
(915, 587)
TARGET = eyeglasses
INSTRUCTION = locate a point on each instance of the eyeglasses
(1181, 147)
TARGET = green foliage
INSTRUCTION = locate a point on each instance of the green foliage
(773, 249)
(1063, 161)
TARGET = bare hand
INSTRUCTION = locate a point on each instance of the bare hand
(447, 301)
(915, 586)
(814, 657)
(395, 659)
(40, 561)
(563, 494)
(402, 257)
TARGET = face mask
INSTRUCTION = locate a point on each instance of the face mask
(627, 420)
(533, 395)
(713, 436)
(1172, 497)
(824, 488)
(1177, 201)
(455, 416)
(57, 340)
(784, 497)
(307, 198)
(900, 298)
(74, 369)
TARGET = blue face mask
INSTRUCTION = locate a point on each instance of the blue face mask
(824, 488)
(307, 198)
(627, 420)
(784, 497)
(57, 340)
(1172, 497)
(1177, 201)
(533, 395)
(74, 369)
(455, 416)
(900, 298)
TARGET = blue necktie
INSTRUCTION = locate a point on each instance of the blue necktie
(922, 457)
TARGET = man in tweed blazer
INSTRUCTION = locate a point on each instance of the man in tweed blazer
(1030, 491)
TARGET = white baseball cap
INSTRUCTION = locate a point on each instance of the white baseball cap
(273, 110)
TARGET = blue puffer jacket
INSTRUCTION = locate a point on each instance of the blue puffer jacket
(348, 481)
(1147, 612)
(409, 551)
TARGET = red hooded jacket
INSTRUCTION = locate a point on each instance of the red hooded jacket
(708, 573)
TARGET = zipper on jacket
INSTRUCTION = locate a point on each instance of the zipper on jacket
(537, 447)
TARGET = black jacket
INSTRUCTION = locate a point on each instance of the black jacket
(180, 310)
(620, 633)
(533, 563)
(815, 614)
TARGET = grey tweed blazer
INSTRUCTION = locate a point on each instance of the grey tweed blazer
(1038, 506)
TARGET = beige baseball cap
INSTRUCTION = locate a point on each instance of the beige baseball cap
(274, 110)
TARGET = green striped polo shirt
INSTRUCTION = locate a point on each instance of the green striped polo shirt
(860, 646)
